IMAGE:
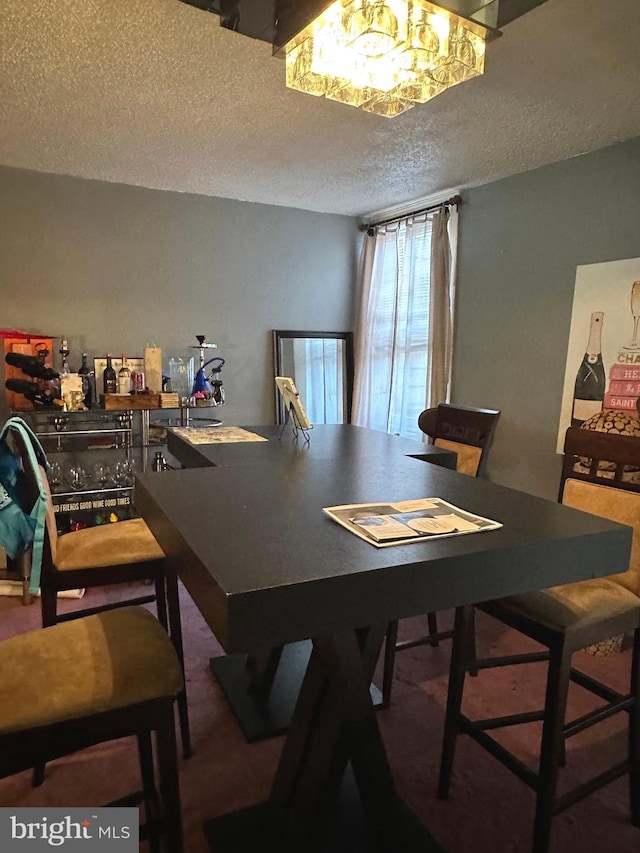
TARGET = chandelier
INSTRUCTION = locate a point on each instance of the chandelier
(384, 55)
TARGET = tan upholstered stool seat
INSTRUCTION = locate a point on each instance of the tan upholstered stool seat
(109, 545)
(576, 606)
(469, 457)
(91, 665)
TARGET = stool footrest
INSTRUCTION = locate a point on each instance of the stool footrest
(591, 785)
(498, 751)
(424, 641)
(593, 717)
(593, 686)
(509, 660)
(509, 720)
(91, 611)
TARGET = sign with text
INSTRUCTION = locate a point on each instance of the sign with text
(115, 830)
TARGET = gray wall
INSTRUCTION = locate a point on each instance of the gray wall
(521, 240)
(110, 267)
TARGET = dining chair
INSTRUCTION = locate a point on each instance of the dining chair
(468, 432)
(124, 552)
(96, 679)
(565, 619)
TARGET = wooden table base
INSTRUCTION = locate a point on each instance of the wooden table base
(267, 712)
(333, 789)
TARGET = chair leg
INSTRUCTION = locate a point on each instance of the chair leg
(49, 616)
(634, 733)
(389, 661)
(169, 783)
(161, 602)
(145, 755)
(432, 622)
(48, 606)
(552, 745)
(175, 632)
(37, 777)
(472, 655)
(463, 625)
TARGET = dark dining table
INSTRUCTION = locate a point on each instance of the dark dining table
(326, 441)
(266, 567)
(262, 687)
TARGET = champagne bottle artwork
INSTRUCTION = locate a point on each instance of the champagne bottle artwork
(589, 389)
(624, 388)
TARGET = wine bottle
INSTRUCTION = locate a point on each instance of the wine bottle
(109, 381)
(124, 377)
(36, 394)
(32, 365)
(588, 394)
(87, 385)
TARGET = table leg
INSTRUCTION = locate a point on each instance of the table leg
(262, 688)
(262, 669)
(334, 723)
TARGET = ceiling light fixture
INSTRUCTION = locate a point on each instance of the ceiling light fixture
(385, 56)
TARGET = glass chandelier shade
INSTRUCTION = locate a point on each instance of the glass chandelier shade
(384, 55)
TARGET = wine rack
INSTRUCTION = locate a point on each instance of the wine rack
(93, 458)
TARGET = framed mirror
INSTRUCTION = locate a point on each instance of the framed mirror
(321, 365)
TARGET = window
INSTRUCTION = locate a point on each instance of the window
(395, 348)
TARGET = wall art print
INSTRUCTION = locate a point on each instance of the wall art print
(603, 357)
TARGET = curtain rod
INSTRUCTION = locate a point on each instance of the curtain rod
(454, 200)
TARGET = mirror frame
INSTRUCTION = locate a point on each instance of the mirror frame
(280, 335)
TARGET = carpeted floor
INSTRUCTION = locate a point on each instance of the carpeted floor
(490, 811)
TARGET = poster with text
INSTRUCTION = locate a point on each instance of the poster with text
(603, 357)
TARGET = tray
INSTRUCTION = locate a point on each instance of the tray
(130, 401)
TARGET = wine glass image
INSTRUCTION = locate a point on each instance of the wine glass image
(54, 475)
(77, 477)
(130, 472)
(120, 474)
(635, 310)
(102, 474)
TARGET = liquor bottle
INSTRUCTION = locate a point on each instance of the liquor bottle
(65, 370)
(109, 381)
(88, 380)
(32, 365)
(47, 395)
(159, 462)
(588, 395)
(124, 377)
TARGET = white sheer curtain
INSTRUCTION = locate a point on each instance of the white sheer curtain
(405, 323)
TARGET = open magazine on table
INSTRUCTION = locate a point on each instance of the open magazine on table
(408, 521)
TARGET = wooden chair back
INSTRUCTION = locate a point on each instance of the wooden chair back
(467, 430)
(601, 475)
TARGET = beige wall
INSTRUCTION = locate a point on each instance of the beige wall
(109, 267)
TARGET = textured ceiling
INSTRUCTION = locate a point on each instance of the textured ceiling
(155, 93)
